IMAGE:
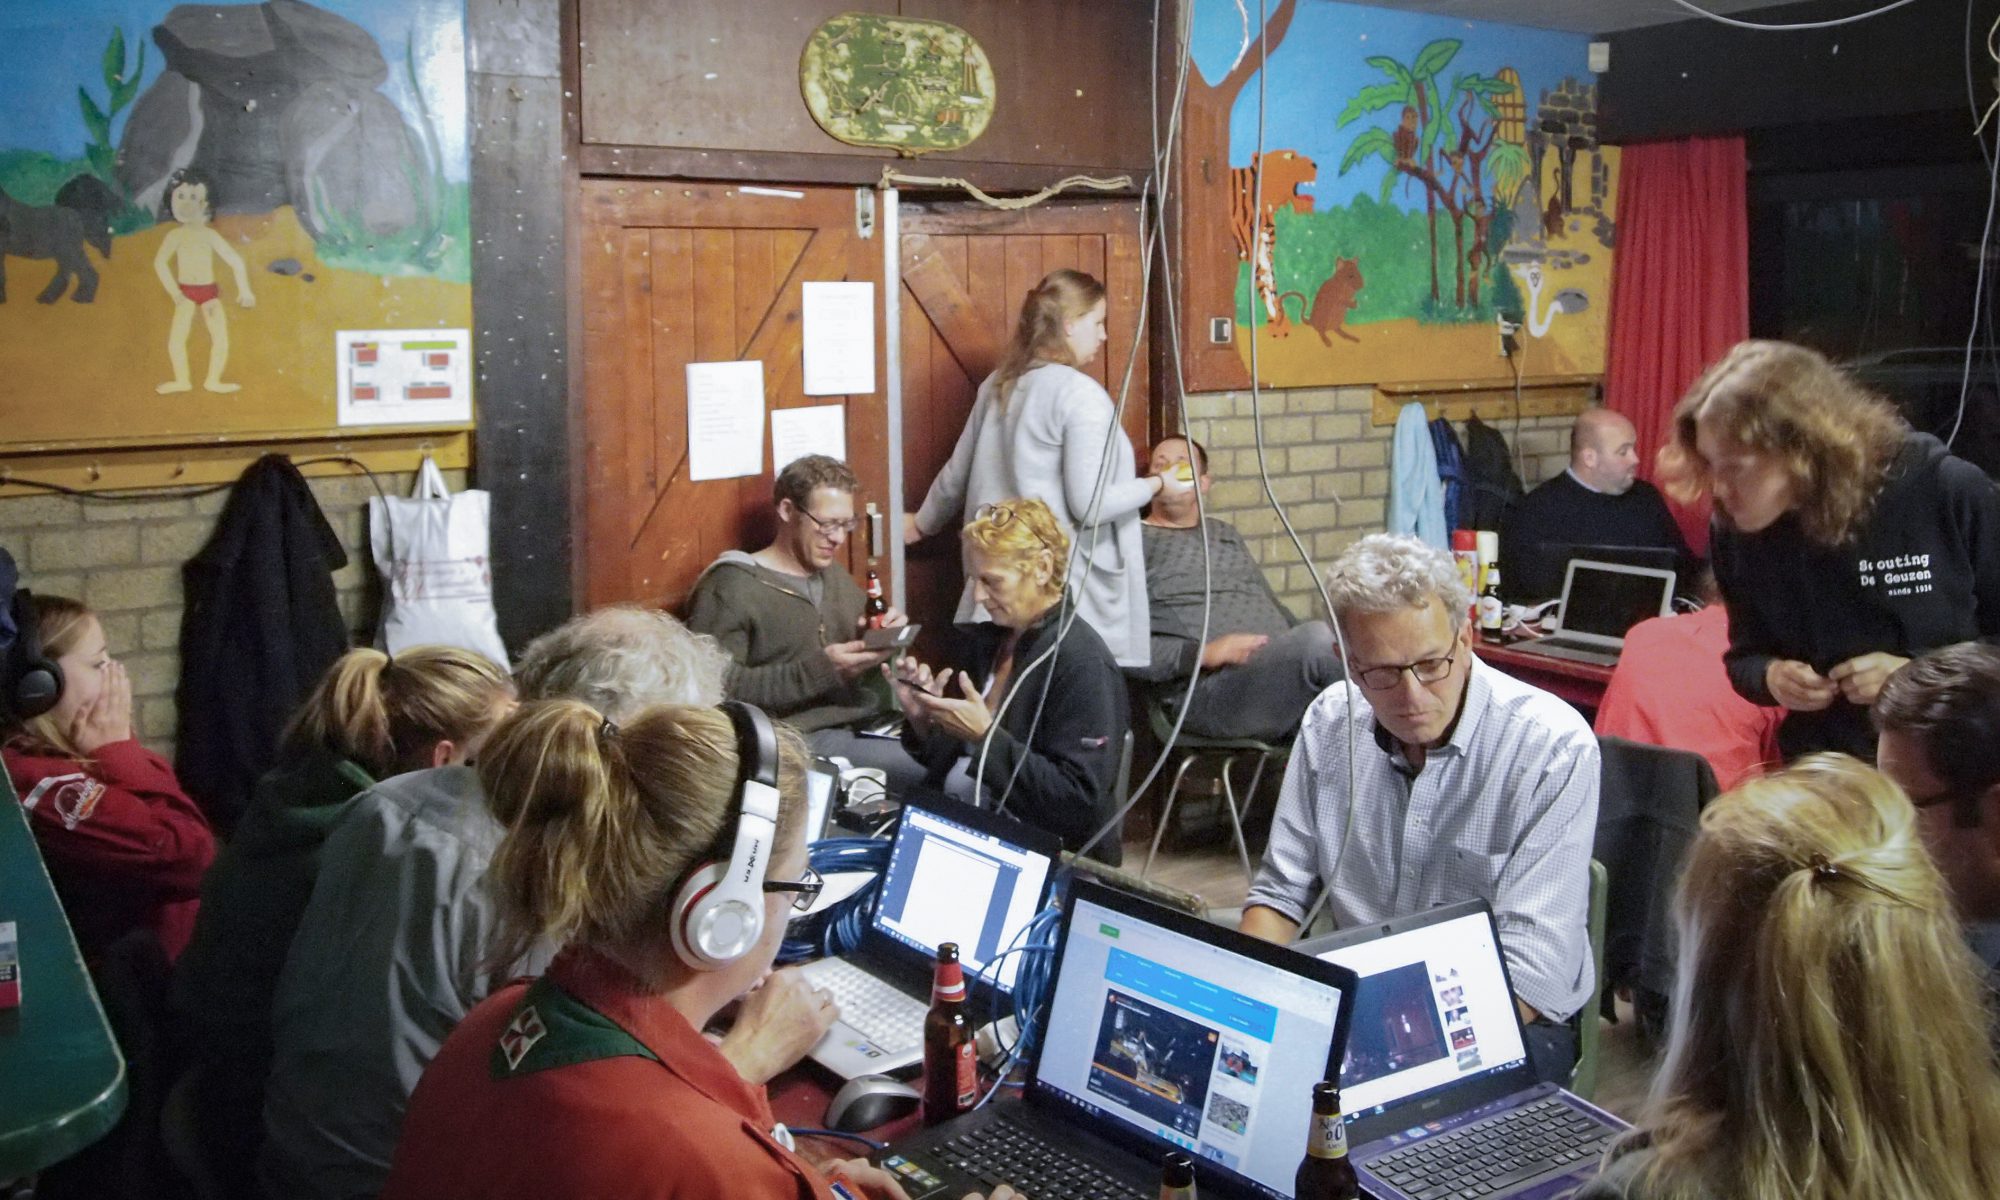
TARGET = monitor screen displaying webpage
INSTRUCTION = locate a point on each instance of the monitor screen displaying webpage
(948, 882)
(1188, 1043)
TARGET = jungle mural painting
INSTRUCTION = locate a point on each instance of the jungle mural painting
(194, 198)
(1421, 177)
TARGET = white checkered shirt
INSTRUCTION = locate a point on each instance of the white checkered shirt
(1505, 811)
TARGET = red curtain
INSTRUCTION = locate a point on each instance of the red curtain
(1680, 292)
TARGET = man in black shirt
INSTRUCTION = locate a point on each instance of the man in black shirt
(1598, 501)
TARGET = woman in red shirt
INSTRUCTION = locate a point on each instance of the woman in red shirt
(123, 844)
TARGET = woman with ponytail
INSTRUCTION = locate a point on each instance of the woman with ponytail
(1829, 1034)
(595, 1079)
(1043, 428)
(369, 718)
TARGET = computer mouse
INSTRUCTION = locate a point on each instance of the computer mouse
(867, 1101)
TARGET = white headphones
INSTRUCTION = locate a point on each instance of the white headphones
(719, 913)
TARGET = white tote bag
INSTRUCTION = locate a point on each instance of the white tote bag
(437, 582)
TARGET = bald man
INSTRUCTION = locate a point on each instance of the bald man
(1599, 501)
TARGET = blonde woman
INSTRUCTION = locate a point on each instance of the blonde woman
(123, 844)
(1829, 1034)
(1041, 427)
(595, 1080)
(1844, 543)
(369, 718)
(1052, 759)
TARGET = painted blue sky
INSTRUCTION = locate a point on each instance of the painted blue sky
(1321, 63)
(49, 48)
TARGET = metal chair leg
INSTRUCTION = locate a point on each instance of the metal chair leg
(1167, 812)
(1235, 819)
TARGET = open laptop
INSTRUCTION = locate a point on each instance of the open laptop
(955, 874)
(1600, 602)
(1163, 1032)
(822, 788)
(1436, 1087)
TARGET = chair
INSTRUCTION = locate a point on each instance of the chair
(1192, 747)
(1590, 1023)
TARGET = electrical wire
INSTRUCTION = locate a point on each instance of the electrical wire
(869, 1142)
(1992, 159)
(1802, 25)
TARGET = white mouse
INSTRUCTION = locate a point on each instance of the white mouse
(868, 1101)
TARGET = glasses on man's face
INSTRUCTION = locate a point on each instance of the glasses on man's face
(806, 889)
(1003, 515)
(839, 529)
(1428, 670)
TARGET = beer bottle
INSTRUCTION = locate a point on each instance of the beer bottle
(878, 609)
(951, 1060)
(1326, 1173)
(1177, 1177)
(1492, 612)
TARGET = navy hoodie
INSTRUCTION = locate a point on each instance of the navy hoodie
(1922, 571)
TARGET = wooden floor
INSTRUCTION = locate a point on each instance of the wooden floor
(1625, 1069)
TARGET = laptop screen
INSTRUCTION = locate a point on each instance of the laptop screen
(1432, 1010)
(1187, 1043)
(1605, 600)
(949, 882)
(821, 781)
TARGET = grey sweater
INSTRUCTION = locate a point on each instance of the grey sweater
(775, 633)
(1244, 601)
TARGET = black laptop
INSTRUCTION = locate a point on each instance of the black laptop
(1164, 1032)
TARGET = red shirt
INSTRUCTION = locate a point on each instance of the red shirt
(526, 1101)
(124, 845)
(1671, 689)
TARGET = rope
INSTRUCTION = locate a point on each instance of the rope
(892, 177)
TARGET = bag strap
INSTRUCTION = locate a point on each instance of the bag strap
(430, 482)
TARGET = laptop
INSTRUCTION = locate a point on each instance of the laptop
(1436, 1087)
(955, 874)
(1163, 1032)
(1600, 602)
(1661, 558)
(822, 786)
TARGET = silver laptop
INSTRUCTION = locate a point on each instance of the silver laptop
(1437, 1090)
(955, 874)
(822, 786)
(1601, 601)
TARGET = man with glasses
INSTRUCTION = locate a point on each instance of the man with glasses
(790, 618)
(1463, 783)
(1939, 720)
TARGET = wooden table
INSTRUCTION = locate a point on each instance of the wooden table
(1580, 683)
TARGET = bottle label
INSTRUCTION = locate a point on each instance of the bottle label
(1329, 1136)
(968, 1076)
(1169, 1192)
(1491, 612)
(950, 991)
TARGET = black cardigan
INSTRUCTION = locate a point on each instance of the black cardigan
(1068, 760)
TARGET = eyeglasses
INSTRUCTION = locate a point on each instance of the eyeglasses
(837, 528)
(1429, 670)
(807, 888)
(1003, 515)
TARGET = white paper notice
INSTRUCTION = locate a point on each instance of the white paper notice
(725, 419)
(838, 327)
(797, 432)
(402, 376)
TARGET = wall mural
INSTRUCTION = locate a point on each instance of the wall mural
(1422, 176)
(195, 198)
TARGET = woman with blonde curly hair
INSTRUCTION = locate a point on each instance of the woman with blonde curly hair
(1052, 758)
(1845, 544)
(1829, 1034)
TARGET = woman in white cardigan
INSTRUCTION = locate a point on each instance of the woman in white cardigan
(1040, 428)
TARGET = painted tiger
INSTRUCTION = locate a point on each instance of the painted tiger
(1254, 226)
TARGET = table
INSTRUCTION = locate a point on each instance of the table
(61, 1075)
(1580, 683)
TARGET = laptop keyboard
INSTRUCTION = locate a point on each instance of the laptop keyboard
(1488, 1157)
(1007, 1151)
(1551, 648)
(883, 1014)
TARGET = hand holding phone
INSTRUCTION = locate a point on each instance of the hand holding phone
(899, 638)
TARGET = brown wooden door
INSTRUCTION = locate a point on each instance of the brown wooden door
(675, 273)
(965, 269)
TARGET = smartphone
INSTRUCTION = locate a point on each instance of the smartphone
(890, 639)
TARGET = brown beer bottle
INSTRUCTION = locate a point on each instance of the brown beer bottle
(951, 1061)
(878, 609)
(1492, 609)
(1326, 1173)
(1177, 1177)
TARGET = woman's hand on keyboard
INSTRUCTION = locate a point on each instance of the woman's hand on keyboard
(776, 1024)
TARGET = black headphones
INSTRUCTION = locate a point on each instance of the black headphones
(34, 681)
(719, 914)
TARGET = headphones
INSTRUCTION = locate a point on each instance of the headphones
(34, 681)
(719, 913)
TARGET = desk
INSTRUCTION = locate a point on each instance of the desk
(1580, 683)
(63, 1075)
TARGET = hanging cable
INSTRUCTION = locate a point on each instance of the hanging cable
(1763, 28)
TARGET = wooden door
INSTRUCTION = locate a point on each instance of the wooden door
(965, 269)
(676, 273)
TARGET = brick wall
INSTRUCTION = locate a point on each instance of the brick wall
(1329, 468)
(123, 559)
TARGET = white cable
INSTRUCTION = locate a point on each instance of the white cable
(1829, 24)
(1978, 295)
